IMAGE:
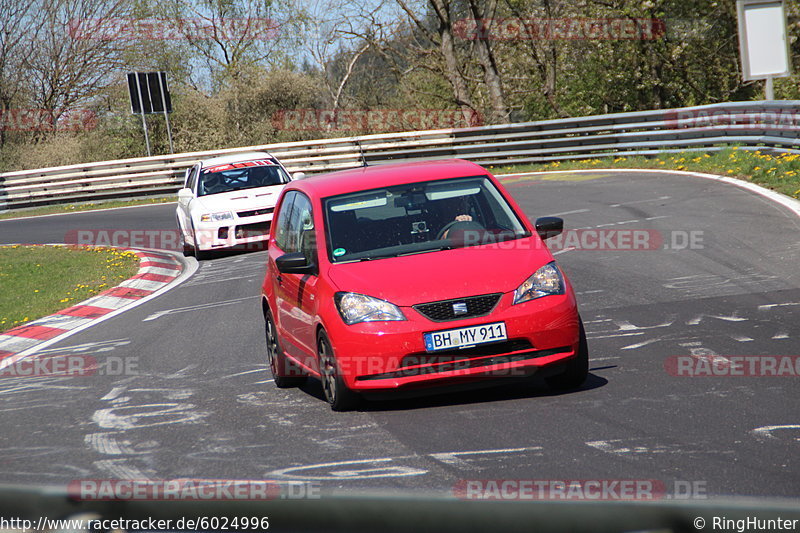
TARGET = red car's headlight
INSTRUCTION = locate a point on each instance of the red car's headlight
(356, 308)
(544, 282)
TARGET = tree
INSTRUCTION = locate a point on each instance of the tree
(17, 30)
(65, 69)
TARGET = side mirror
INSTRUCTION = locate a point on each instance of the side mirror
(548, 227)
(185, 194)
(298, 175)
(295, 263)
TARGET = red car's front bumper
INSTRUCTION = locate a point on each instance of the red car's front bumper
(392, 355)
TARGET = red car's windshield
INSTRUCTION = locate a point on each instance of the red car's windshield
(418, 217)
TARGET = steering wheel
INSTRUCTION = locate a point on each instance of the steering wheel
(464, 225)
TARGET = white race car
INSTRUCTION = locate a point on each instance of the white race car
(228, 201)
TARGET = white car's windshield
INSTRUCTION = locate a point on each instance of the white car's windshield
(233, 177)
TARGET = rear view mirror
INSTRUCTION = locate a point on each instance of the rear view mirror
(548, 227)
(298, 175)
(184, 194)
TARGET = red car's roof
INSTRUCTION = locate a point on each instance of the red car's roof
(364, 178)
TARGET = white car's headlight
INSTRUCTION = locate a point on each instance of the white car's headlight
(544, 282)
(216, 217)
(356, 308)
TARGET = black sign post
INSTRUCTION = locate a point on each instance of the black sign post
(149, 94)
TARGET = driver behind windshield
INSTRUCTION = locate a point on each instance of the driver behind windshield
(450, 211)
(240, 178)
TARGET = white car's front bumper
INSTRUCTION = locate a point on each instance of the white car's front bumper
(215, 235)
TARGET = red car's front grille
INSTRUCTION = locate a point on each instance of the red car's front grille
(458, 308)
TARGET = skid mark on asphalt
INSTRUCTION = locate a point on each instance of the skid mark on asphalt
(648, 446)
(251, 267)
(776, 433)
(199, 307)
(123, 453)
(24, 383)
(647, 201)
(147, 416)
(122, 469)
(694, 332)
(623, 222)
(713, 285)
(400, 466)
(87, 348)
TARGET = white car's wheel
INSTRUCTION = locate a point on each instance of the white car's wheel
(188, 249)
(198, 252)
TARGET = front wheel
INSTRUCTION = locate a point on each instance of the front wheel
(188, 250)
(284, 373)
(339, 396)
(198, 253)
(577, 369)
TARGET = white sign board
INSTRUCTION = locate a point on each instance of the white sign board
(763, 42)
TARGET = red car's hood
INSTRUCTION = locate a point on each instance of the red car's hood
(446, 274)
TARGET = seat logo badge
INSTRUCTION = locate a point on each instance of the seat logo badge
(460, 308)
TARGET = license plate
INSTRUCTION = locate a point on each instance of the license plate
(462, 337)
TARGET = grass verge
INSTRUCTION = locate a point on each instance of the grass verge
(83, 206)
(36, 281)
(777, 172)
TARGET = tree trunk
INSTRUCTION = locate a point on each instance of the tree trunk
(461, 92)
(483, 50)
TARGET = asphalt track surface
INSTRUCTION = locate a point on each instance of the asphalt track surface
(200, 402)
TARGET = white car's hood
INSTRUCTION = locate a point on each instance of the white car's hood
(239, 200)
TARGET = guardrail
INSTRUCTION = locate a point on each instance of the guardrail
(752, 125)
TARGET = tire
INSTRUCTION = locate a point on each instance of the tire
(577, 369)
(188, 250)
(198, 253)
(338, 395)
(285, 374)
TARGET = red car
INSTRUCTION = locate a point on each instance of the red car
(414, 275)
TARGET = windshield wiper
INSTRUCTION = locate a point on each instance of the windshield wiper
(426, 250)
